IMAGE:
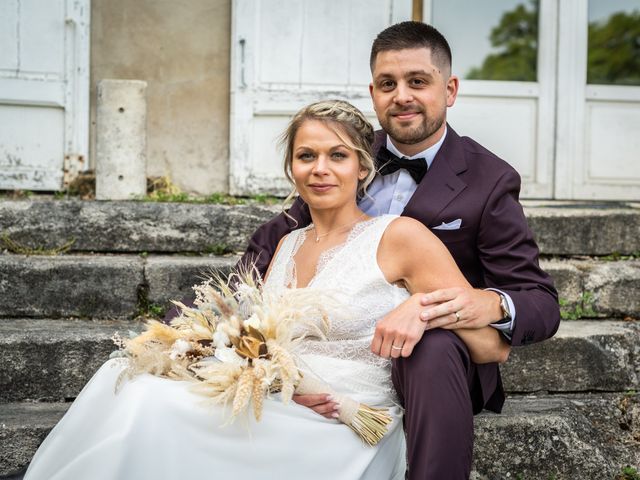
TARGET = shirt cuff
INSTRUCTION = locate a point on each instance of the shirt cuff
(505, 328)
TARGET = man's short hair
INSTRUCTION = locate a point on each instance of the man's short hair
(410, 34)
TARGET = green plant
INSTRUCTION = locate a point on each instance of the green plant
(628, 473)
(18, 194)
(15, 247)
(266, 199)
(145, 308)
(583, 309)
(218, 249)
(155, 310)
(223, 199)
(161, 196)
(616, 256)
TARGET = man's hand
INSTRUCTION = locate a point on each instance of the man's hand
(399, 331)
(322, 404)
(475, 308)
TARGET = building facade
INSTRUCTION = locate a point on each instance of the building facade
(552, 86)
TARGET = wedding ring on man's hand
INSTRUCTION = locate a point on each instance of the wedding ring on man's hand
(396, 348)
(457, 316)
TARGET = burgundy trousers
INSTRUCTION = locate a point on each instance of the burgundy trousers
(434, 385)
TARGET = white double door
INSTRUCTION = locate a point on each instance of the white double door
(567, 139)
(44, 91)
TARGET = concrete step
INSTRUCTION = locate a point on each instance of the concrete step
(119, 286)
(42, 359)
(579, 436)
(51, 360)
(595, 288)
(583, 356)
(559, 437)
(98, 286)
(23, 427)
(130, 226)
(561, 228)
(584, 228)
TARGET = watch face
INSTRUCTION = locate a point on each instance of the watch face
(504, 306)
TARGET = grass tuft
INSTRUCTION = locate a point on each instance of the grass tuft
(15, 247)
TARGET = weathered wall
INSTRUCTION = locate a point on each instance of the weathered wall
(181, 48)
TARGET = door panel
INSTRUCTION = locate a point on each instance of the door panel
(287, 54)
(611, 150)
(599, 107)
(44, 84)
(504, 54)
(537, 84)
(492, 119)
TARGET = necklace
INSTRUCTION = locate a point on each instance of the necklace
(318, 237)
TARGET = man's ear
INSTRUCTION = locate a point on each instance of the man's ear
(371, 93)
(453, 84)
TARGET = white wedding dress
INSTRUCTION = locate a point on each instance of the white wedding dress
(156, 428)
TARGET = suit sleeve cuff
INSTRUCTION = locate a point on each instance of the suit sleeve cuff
(505, 328)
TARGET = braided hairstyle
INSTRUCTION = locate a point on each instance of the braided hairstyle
(347, 122)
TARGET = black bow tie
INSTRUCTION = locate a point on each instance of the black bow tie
(389, 163)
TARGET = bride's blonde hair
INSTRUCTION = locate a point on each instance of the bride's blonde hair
(343, 119)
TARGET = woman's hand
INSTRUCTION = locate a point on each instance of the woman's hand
(322, 404)
(398, 332)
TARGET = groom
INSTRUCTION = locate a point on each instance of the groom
(468, 197)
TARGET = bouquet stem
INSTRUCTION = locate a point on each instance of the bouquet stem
(371, 424)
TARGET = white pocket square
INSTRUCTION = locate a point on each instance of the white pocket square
(453, 225)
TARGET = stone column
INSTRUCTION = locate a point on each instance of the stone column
(121, 139)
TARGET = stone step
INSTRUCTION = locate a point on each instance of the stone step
(561, 228)
(559, 437)
(98, 286)
(120, 286)
(130, 226)
(584, 228)
(50, 360)
(592, 289)
(23, 427)
(583, 356)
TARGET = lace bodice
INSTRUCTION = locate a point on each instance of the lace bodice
(350, 274)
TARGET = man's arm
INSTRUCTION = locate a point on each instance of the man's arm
(509, 255)
(264, 240)
(509, 258)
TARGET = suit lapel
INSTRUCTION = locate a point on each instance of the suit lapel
(441, 183)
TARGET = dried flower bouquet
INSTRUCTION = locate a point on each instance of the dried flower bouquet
(237, 345)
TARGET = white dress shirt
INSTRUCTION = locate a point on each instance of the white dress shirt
(391, 193)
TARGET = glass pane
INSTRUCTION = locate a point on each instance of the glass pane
(492, 39)
(614, 42)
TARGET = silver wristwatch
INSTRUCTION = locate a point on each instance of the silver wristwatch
(504, 307)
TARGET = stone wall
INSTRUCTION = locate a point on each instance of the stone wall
(181, 49)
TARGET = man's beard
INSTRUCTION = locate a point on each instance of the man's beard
(411, 135)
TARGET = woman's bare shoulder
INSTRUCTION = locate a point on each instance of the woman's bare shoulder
(406, 230)
(402, 242)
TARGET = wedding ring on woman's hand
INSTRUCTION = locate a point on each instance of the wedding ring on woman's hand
(457, 316)
(396, 348)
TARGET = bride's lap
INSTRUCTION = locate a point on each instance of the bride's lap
(156, 426)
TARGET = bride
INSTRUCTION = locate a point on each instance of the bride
(156, 428)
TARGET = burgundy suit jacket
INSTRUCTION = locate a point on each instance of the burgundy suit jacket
(494, 248)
